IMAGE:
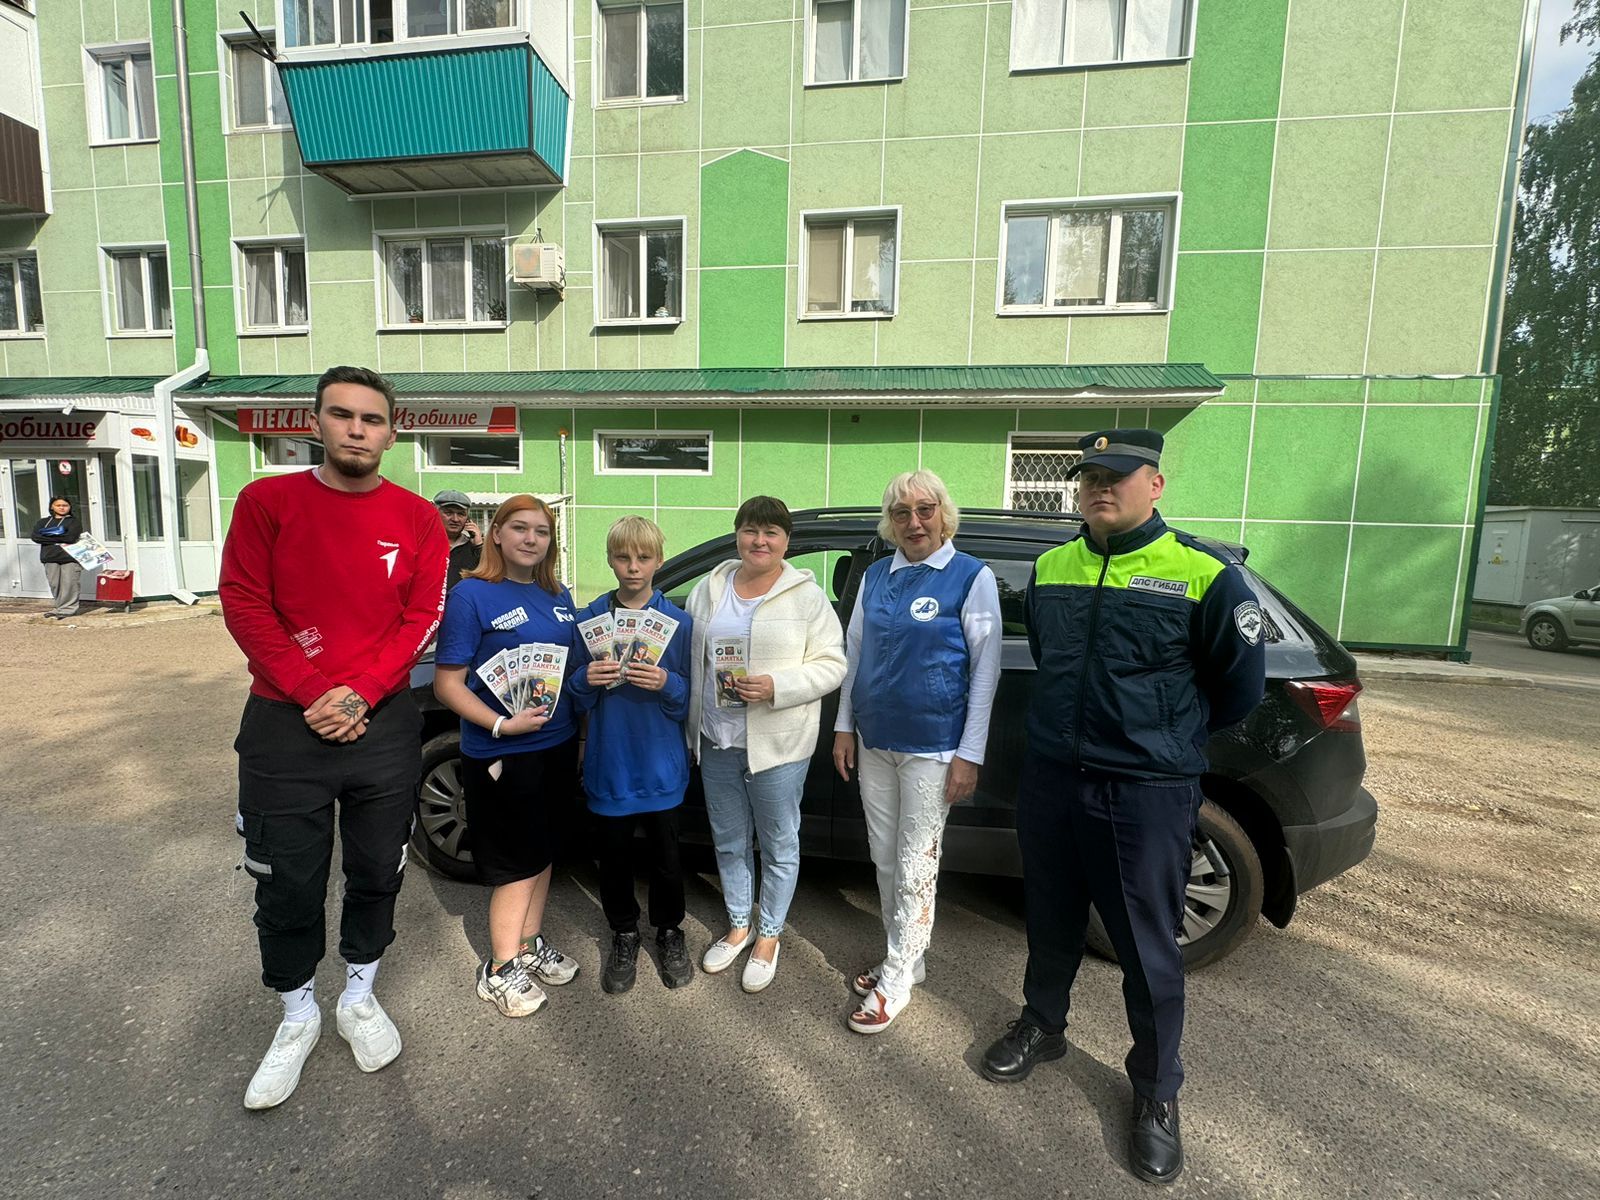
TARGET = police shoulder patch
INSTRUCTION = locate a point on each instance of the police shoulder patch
(1165, 587)
(1247, 619)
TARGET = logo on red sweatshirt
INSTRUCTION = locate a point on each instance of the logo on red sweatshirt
(388, 555)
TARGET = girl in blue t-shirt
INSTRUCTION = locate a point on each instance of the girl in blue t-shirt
(516, 768)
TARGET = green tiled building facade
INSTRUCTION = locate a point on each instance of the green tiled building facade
(1310, 199)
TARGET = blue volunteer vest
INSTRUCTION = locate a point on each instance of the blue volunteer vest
(910, 690)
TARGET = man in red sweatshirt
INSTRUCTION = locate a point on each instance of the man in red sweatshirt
(333, 583)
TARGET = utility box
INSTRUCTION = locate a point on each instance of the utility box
(1529, 554)
(114, 587)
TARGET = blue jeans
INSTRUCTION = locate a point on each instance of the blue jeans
(767, 804)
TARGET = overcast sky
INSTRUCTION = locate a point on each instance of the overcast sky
(1556, 67)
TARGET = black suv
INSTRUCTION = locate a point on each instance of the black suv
(1285, 809)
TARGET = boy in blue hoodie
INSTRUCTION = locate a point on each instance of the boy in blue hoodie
(636, 765)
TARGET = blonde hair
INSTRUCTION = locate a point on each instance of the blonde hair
(641, 535)
(492, 566)
(907, 483)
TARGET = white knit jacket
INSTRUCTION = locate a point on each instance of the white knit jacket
(795, 638)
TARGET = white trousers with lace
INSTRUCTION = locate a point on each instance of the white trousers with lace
(902, 797)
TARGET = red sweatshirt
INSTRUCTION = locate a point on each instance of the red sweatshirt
(323, 588)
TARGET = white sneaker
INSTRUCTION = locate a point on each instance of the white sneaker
(757, 973)
(275, 1079)
(547, 963)
(723, 954)
(512, 991)
(371, 1034)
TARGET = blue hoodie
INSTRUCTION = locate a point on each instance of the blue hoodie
(637, 760)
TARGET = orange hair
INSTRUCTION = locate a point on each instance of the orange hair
(492, 566)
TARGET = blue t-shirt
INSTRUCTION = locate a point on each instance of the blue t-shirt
(480, 620)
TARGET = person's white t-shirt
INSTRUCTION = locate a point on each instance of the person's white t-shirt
(724, 728)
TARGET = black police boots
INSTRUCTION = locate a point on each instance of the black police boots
(622, 964)
(1012, 1058)
(1155, 1148)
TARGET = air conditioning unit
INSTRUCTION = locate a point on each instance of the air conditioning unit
(538, 265)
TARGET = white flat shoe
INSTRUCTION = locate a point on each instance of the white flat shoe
(757, 973)
(722, 954)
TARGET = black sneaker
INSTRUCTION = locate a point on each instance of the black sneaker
(622, 964)
(672, 958)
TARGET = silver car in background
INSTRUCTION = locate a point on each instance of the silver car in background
(1563, 621)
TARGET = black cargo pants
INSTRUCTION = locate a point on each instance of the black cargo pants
(290, 784)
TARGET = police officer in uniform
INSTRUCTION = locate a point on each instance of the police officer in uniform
(1146, 643)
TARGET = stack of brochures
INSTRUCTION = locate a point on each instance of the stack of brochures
(526, 676)
(730, 657)
(627, 636)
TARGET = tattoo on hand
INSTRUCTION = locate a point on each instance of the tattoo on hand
(351, 707)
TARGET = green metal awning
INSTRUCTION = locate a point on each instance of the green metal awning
(77, 386)
(1155, 384)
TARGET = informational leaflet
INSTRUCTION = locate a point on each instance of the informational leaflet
(652, 634)
(89, 553)
(526, 676)
(730, 657)
(600, 638)
(625, 624)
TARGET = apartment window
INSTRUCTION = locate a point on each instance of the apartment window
(1098, 257)
(124, 94)
(641, 274)
(1036, 472)
(274, 286)
(454, 279)
(641, 55)
(141, 299)
(1068, 33)
(651, 452)
(286, 453)
(851, 264)
(21, 306)
(353, 22)
(258, 101)
(854, 40)
(441, 18)
(444, 451)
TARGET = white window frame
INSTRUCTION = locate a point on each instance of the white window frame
(855, 51)
(242, 286)
(1172, 201)
(521, 12)
(95, 57)
(849, 216)
(641, 226)
(108, 287)
(423, 467)
(1033, 436)
(600, 467)
(380, 240)
(231, 42)
(15, 257)
(598, 89)
(258, 457)
(1185, 54)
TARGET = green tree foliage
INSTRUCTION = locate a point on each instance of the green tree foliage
(1547, 445)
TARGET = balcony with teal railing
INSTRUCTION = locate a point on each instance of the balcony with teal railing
(427, 95)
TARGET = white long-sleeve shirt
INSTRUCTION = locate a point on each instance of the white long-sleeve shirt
(980, 625)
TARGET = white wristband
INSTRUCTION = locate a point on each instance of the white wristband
(498, 721)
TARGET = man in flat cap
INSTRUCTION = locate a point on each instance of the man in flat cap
(1146, 642)
(466, 541)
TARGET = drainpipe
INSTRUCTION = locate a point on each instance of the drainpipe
(166, 415)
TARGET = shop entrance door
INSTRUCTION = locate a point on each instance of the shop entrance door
(26, 488)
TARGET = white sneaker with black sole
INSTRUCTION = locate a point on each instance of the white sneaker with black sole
(279, 1073)
(372, 1036)
(547, 964)
(512, 990)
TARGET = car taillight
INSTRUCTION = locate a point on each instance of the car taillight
(1331, 704)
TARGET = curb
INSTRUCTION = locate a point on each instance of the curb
(1564, 684)
(99, 620)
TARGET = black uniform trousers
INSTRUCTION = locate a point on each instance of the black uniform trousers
(290, 782)
(616, 870)
(1124, 846)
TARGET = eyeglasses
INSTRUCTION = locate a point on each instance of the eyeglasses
(925, 512)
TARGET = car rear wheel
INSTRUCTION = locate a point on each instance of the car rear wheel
(1219, 910)
(1545, 633)
(438, 836)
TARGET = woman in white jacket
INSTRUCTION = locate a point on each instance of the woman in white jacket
(754, 750)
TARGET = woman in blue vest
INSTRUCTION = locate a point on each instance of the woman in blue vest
(923, 653)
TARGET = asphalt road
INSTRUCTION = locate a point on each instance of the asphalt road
(1426, 1028)
(1510, 652)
